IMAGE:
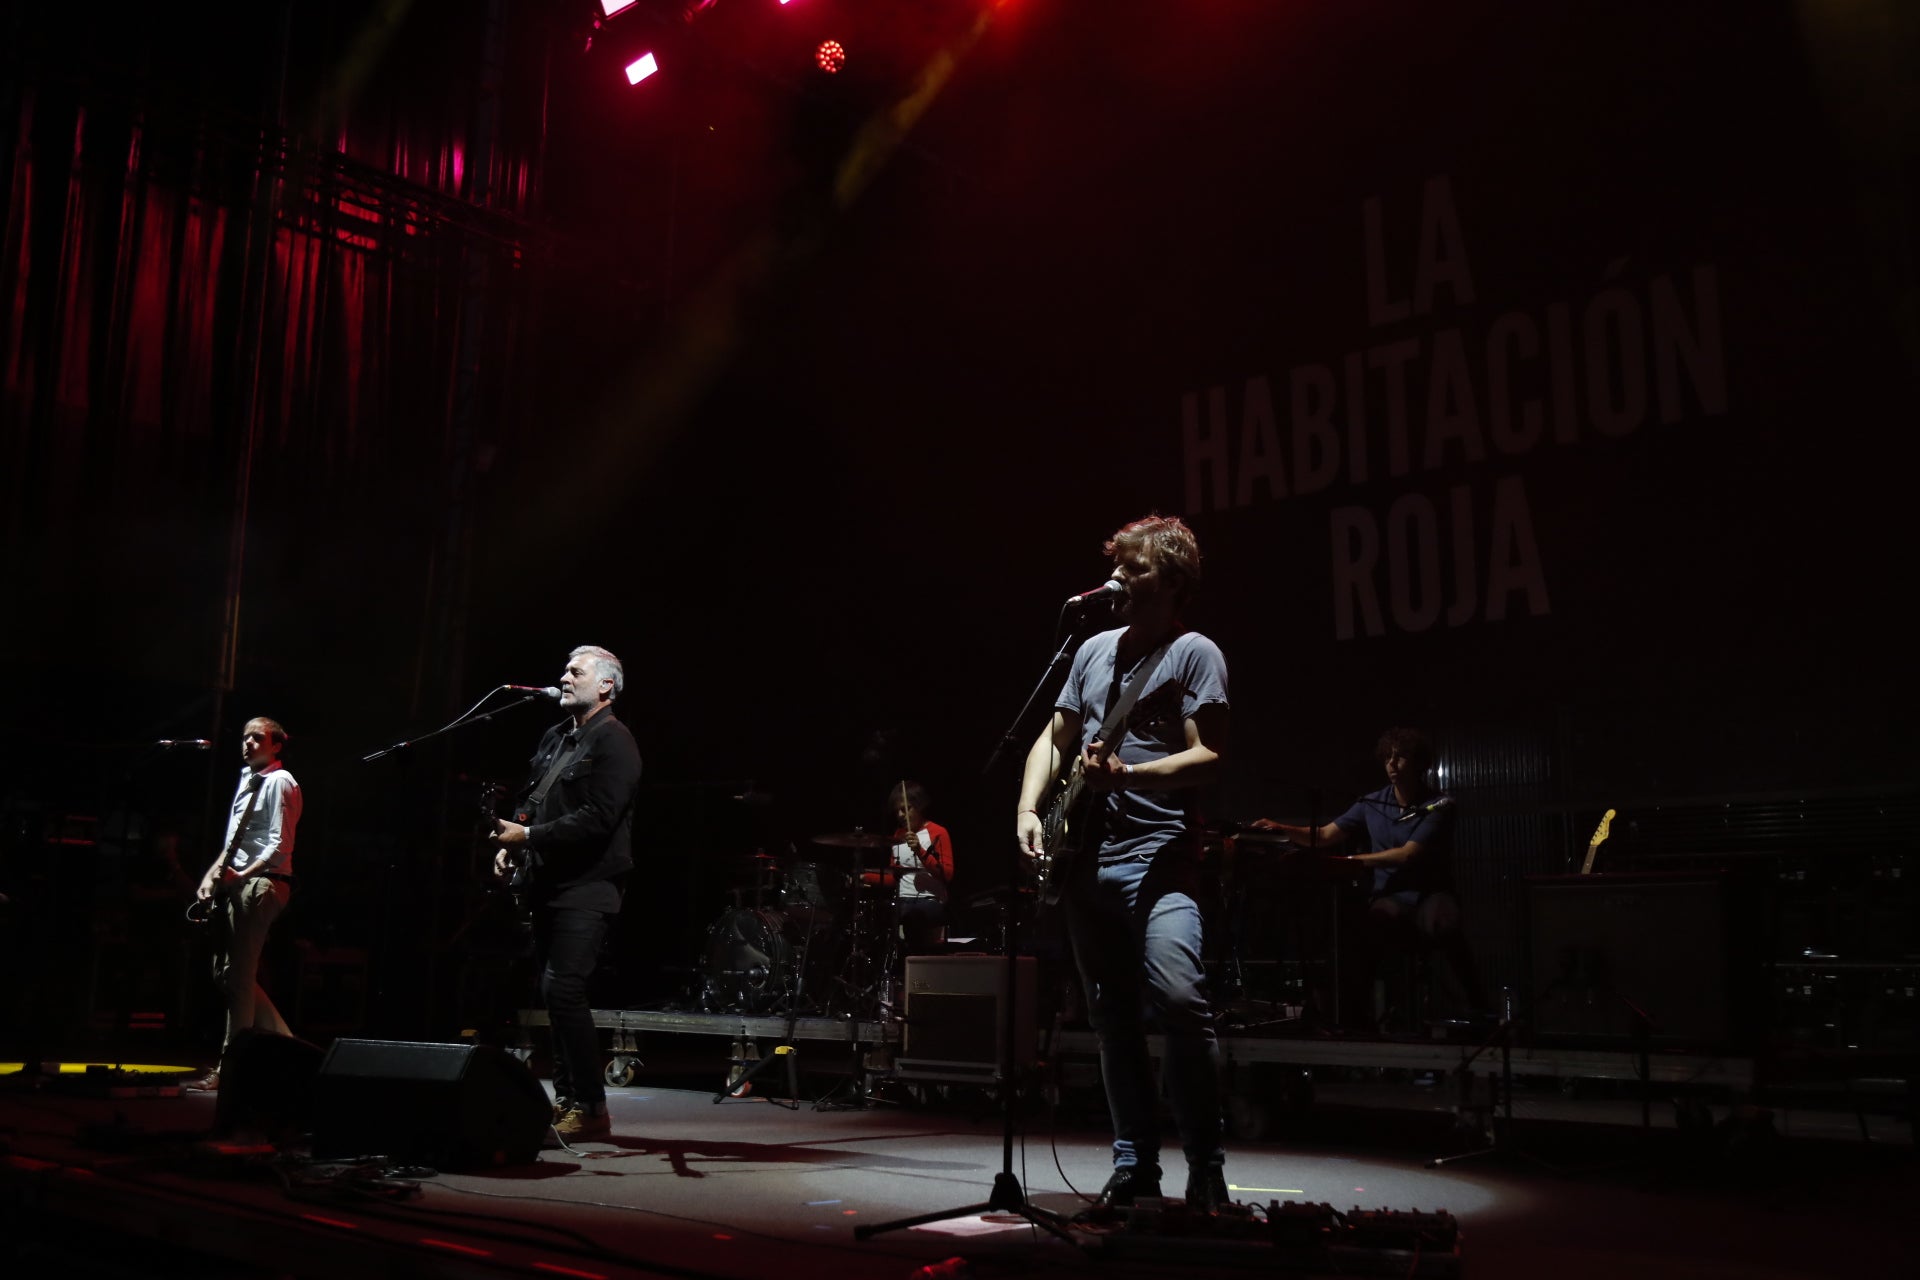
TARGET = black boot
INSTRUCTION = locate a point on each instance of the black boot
(1207, 1189)
(1130, 1183)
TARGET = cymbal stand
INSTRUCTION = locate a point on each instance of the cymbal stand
(857, 977)
(845, 978)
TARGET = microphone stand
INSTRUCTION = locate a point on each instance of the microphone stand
(465, 718)
(1007, 1196)
(1056, 670)
(457, 722)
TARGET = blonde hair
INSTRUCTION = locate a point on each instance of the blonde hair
(1167, 543)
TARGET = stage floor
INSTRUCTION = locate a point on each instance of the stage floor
(745, 1188)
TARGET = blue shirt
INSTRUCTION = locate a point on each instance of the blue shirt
(1192, 675)
(1380, 818)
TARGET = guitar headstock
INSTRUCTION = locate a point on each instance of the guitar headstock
(491, 794)
(1601, 832)
(1599, 837)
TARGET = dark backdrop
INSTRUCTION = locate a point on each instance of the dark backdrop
(812, 396)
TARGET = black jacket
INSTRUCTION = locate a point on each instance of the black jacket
(583, 828)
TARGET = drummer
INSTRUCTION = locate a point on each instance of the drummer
(922, 867)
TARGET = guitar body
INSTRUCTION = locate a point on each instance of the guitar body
(1064, 826)
(520, 874)
(520, 879)
(1062, 834)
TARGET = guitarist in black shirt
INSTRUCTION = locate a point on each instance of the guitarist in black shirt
(573, 855)
(1126, 864)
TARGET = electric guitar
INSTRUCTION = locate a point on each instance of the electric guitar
(520, 870)
(1060, 844)
(1600, 834)
(1063, 827)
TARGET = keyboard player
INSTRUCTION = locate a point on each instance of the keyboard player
(1406, 830)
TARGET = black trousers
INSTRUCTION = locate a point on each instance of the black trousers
(567, 944)
(920, 920)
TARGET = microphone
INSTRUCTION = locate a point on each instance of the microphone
(191, 744)
(1434, 805)
(539, 691)
(1112, 586)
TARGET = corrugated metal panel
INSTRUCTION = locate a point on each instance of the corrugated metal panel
(1509, 825)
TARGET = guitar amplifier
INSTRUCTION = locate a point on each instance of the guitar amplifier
(1605, 946)
(956, 1014)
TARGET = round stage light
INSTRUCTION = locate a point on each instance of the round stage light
(830, 56)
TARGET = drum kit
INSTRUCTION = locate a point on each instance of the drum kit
(815, 935)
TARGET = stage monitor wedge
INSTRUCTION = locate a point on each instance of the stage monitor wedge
(451, 1106)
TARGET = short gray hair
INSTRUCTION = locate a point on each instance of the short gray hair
(606, 666)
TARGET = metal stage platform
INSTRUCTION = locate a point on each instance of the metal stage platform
(1237, 1049)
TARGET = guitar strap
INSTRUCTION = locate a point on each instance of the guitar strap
(1116, 717)
(562, 757)
(1118, 713)
(240, 827)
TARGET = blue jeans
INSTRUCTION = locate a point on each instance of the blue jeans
(1136, 931)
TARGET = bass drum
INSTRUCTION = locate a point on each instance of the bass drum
(749, 965)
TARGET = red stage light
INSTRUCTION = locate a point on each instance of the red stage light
(642, 68)
(611, 7)
(830, 56)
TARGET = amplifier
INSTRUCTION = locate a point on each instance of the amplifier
(956, 1016)
(1603, 946)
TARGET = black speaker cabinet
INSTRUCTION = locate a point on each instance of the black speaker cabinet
(1603, 946)
(451, 1106)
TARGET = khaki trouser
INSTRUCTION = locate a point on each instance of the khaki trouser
(248, 913)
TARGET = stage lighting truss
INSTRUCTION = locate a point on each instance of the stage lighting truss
(830, 56)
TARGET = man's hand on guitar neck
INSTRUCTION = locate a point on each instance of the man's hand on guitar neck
(1103, 769)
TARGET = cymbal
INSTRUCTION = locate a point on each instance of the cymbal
(852, 840)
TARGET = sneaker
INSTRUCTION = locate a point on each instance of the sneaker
(1128, 1184)
(585, 1121)
(208, 1083)
(1207, 1190)
(560, 1108)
